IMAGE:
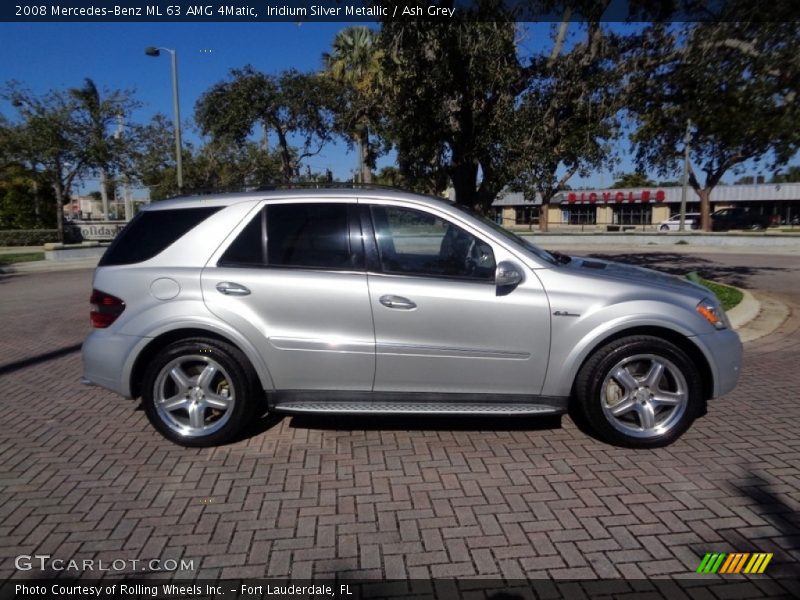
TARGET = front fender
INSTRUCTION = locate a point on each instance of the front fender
(574, 340)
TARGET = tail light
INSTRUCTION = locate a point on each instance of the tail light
(105, 309)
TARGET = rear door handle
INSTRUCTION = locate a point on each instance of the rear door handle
(232, 289)
(397, 302)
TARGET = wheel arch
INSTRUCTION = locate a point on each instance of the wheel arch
(678, 339)
(162, 340)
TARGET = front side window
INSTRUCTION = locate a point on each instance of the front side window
(413, 242)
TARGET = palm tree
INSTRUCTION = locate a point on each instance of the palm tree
(355, 63)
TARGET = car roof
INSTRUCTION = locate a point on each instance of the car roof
(228, 199)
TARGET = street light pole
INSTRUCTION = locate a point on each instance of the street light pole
(686, 139)
(153, 51)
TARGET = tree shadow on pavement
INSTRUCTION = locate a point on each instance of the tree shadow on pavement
(680, 264)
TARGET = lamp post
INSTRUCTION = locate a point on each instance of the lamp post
(687, 138)
(153, 51)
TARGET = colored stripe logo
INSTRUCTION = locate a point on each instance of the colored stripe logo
(734, 562)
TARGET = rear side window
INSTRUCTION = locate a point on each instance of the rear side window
(151, 232)
(247, 250)
(310, 235)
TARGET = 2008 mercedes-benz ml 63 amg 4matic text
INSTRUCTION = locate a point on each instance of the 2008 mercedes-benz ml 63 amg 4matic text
(371, 301)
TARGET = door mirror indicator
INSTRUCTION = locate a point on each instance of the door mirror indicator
(507, 275)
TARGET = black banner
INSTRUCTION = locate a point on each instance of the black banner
(374, 10)
(344, 589)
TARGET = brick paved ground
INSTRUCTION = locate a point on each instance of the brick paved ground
(83, 475)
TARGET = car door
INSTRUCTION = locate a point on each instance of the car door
(293, 281)
(441, 324)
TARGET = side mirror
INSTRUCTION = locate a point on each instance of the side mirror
(507, 275)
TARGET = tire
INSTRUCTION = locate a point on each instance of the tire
(200, 392)
(654, 405)
(664, 228)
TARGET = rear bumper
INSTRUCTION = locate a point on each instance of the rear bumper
(105, 356)
(724, 352)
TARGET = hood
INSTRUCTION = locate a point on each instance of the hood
(607, 269)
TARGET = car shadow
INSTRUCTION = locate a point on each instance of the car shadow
(680, 264)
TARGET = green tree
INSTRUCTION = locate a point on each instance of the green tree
(289, 105)
(632, 180)
(451, 91)
(218, 164)
(733, 80)
(791, 175)
(103, 116)
(57, 136)
(355, 64)
(569, 113)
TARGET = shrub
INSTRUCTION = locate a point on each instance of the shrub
(27, 237)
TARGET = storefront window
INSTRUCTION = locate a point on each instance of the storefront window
(526, 215)
(579, 215)
(633, 214)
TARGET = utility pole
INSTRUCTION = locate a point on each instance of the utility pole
(686, 139)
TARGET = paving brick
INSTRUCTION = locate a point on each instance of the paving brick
(84, 474)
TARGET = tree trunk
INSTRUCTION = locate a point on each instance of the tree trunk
(59, 191)
(104, 192)
(543, 215)
(705, 212)
(286, 157)
(464, 176)
(362, 142)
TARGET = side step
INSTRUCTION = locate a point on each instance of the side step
(414, 408)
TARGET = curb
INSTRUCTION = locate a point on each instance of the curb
(744, 312)
(771, 315)
(45, 266)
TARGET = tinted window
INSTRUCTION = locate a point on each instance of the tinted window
(310, 235)
(248, 248)
(418, 243)
(150, 232)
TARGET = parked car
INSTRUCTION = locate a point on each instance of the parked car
(215, 309)
(691, 221)
(738, 218)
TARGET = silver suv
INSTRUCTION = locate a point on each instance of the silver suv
(217, 309)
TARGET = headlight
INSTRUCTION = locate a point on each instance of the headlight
(712, 312)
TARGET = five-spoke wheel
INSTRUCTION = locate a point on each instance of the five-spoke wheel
(639, 391)
(199, 392)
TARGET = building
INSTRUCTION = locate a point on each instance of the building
(646, 207)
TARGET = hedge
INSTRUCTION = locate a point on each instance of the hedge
(27, 237)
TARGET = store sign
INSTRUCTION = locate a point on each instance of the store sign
(643, 196)
(99, 230)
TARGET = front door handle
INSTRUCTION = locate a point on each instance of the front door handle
(232, 289)
(397, 302)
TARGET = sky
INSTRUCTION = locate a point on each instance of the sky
(45, 56)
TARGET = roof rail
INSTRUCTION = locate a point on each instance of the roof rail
(326, 185)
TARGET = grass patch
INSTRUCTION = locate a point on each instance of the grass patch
(728, 296)
(18, 257)
(681, 243)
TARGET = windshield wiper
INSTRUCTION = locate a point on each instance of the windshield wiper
(561, 258)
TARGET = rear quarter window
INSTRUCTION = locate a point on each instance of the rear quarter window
(150, 232)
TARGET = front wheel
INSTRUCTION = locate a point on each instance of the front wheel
(199, 392)
(664, 228)
(639, 392)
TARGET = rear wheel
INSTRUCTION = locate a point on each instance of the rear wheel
(199, 392)
(664, 228)
(639, 391)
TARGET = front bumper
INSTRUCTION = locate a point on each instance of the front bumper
(724, 352)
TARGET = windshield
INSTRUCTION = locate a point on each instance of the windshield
(511, 237)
